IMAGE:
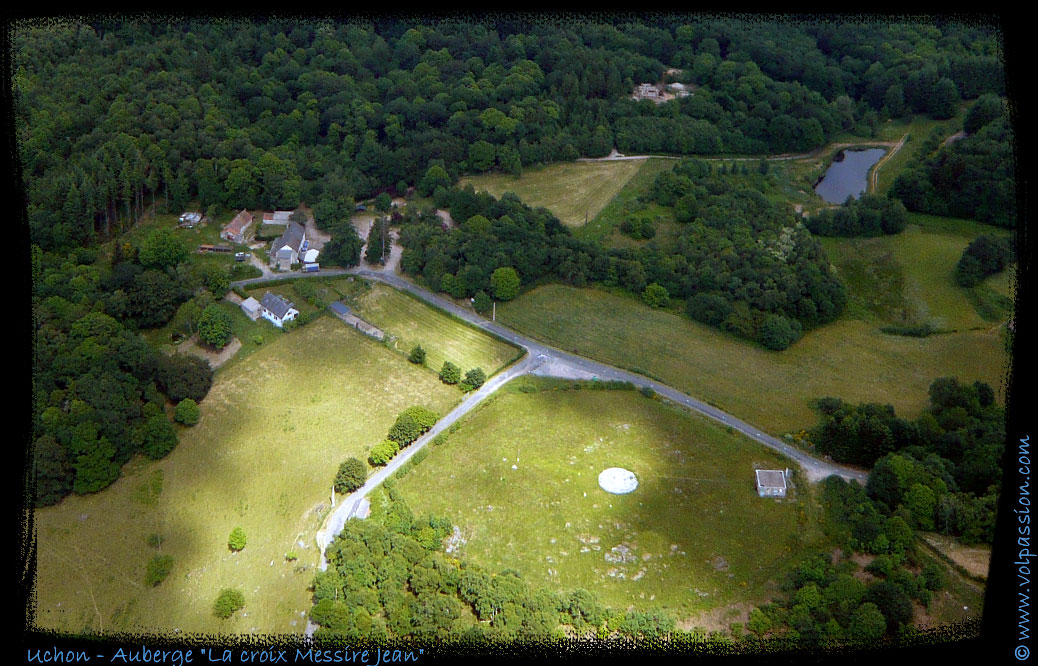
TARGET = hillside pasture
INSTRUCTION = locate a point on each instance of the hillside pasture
(849, 359)
(519, 479)
(273, 432)
(412, 322)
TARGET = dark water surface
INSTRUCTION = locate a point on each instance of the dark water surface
(848, 176)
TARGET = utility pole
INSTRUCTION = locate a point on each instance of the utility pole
(333, 495)
(495, 312)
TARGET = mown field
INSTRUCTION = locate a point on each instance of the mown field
(697, 535)
(272, 434)
(444, 338)
(573, 191)
(849, 359)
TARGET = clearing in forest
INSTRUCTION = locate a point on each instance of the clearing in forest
(573, 191)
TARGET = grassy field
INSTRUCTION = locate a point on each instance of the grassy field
(909, 279)
(572, 191)
(272, 434)
(850, 359)
(699, 536)
(412, 323)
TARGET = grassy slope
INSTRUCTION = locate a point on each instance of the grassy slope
(550, 520)
(272, 434)
(443, 338)
(570, 190)
(848, 359)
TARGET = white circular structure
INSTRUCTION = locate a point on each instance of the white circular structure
(617, 480)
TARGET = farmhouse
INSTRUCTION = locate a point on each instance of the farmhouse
(276, 309)
(771, 483)
(285, 250)
(237, 229)
(251, 307)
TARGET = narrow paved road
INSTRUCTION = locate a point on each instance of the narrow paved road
(540, 359)
(815, 468)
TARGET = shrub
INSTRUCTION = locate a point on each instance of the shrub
(475, 378)
(352, 475)
(237, 539)
(417, 355)
(155, 540)
(383, 453)
(656, 296)
(450, 373)
(158, 568)
(647, 392)
(187, 412)
(481, 302)
(228, 601)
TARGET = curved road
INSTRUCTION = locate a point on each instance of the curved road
(568, 364)
(539, 359)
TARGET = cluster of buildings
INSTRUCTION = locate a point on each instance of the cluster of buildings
(291, 247)
(659, 93)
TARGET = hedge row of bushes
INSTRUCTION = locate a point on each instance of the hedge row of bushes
(411, 424)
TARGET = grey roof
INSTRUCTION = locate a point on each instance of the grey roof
(250, 304)
(771, 478)
(277, 306)
(293, 237)
(339, 308)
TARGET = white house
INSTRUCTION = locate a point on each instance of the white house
(285, 250)
(277, 309)
(771, 483)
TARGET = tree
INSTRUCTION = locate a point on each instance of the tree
(481, 302)
(656, 296)
(450, 373)
(383, 202)
(475, 378)
(943, 99)
(867, 624)
(777, 332)
(228, 602)
(214, 326)
(417, 355)
(344, 247)
(158, 569)
(236, 541)
(383, 453)
(352, 475)
(157, 436)
(187, 412)
(505, 283)
(161, 249)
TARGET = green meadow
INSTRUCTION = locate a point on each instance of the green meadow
(272, 434)
(573, 191)
(519, 478)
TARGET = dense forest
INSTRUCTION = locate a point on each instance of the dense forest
(973, 177)
(112, 118)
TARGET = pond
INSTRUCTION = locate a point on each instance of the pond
(848, 175)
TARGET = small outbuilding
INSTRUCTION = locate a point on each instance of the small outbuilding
(251, 307)
(771, 483)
